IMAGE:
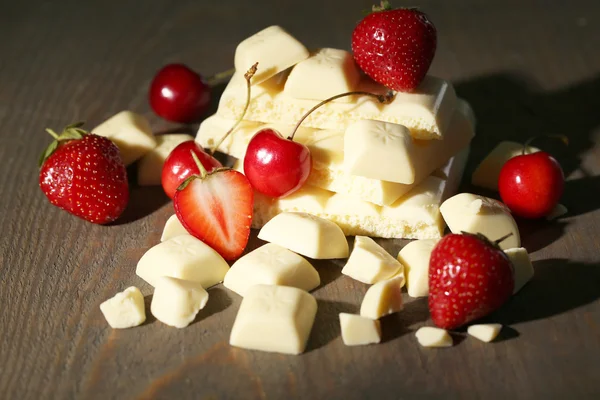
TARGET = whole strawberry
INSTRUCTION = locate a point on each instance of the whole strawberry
(83, 174)
(395, 47)
(469, 277)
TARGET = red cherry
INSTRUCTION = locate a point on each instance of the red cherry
(179, 94)
(531, 184)
(179, 165)
(274, 165)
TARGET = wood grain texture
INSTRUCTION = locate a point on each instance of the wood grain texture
(527, 67)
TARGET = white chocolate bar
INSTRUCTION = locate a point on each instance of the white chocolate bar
(306, 234)
(271, 264)
(275, 319)
(125, 309)
(466, 212)
(273, 49)
(173, 228)
(383, 298)
(369, 262)
(358, 330)
(131, 133)
(426, 112)
(415, 259)
(523, 269)
(183, 257)
(150, 166)
(176, 302)
(484, 332)
(429, 336)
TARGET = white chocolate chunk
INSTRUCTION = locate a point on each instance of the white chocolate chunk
(214, 127)
(379, 150)
(463, 107)
(176, 301)
(306, 234)
(477, 214)
(523, 269)
(488, 171)
(271, 264)
(415, 259)
(275, 319)
(358, 330)
(429, 336)
(484, 332)
(383, 298)
(125, 309)
(273, 49)
(557, 212)
(324, 74)
(369, 262)
(131, 133)
(151, 164)
(173, 228)
(183, 257)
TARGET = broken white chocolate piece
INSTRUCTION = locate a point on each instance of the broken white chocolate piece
(557, 212)
(415, 259)
(149, 171)
(466, 212)
(183, 257)
(173, 228)
(273, 49)
(176, 302)
(306, 234)
(131, 133)
(429, 336)
(274, 318)
(326, 73)
(358, 330)
(484, 332)
(125, 309)
(523, 269)
(369, 262)
(488, 171)
(383, 298)
(271, 264)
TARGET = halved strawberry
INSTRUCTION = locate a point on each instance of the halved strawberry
(216, 208)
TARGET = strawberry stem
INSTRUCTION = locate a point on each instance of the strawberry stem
(562, 138)
(248, 75)
(199, 165)
(52, 133)
(220, 77)
(382, 98)
(383, 6)
(503, 238)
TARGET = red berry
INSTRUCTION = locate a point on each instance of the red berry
(531, 184)
(179, 165)
(469, 277)
(274, 165)
(395, 47)
(85, 176)
(179, 94)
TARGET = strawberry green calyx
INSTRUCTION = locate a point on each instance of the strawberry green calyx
(203, 173)
(71, 132)
(383, 6)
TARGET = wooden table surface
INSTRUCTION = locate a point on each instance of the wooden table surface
(527, 67)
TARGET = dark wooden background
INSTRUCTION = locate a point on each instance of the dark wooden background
(527, 67)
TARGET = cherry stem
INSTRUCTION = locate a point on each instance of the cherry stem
(199, 164)
(382, 98)
(248, 75)
(52, 133)
(562, 138)
(503, 238)
(220, 77)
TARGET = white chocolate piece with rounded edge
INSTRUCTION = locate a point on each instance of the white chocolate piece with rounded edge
(131, 133)
(183, 257)
(383, 298)
(125, 309)
(488, 171)
(306, 234)
(173, 228)
(466, 212)
(271, 264)
(429, 336)
(369, 262)
(415, 259)
(379, 150)
(557, 212)
(213, 128)
(273, 49)
(484, 332)
(523, 269)
(358, 330)
(275, 319)
(149, 167)
(176, 302)
(326, 73)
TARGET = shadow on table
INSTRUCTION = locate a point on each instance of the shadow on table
(327, 322)
(399, 324)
